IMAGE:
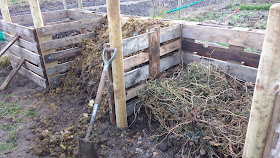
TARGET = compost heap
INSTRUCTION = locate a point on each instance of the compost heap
(203, 108)
(56, 135)
(82, 80)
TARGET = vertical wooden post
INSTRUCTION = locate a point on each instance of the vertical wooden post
(267, 85)
(80, 4)
(38, 22)
(154, 54)
(64, 4)
(115, 36)
(5, 11)
(179, 6)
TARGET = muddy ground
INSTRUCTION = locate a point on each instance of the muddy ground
(28, 117)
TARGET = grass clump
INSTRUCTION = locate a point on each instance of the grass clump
(9, 142)
(4, 62)
(255, 7)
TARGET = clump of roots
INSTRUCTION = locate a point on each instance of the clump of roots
(202, 107)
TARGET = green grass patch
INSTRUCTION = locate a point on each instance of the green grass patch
(9, 109)
(251, 50)
(255, 7)
(30, 113)
(9, 142)
(4, 62)
(6, 127)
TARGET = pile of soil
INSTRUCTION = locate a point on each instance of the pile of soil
(57, 134)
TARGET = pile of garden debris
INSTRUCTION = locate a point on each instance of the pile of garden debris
(57, 134)
(204, 108)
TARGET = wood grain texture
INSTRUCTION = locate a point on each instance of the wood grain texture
(170, 33)
(76, 14)
(63, 54)
(233, 36)
(52, 44)
(237, 55)
(60, 68)
(142, 73)
(22, 43)
(26, 54)
(22, 31)
(154, 54)
(68, 26)
(241, 72)
(27, 65)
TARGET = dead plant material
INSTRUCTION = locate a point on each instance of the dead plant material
(203, 107)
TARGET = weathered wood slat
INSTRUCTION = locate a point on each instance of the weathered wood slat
(250, 59)
(170, 33)
(47, 17)
(22, 43)
(67, 53)
(232, 36)
(32, 76)
(27, 65)
(133, 92)
(140, 74)
(134, 44)
(22, 31)
(78, 14)
(63, 42)
(241, 72)
(68, 26)
(141, 42)
(12, 74)
(154, 54)
(60, 68)
(26, 54)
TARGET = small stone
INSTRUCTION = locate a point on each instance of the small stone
(149, 155)
(25, 97)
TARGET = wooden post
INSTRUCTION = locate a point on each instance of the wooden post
(5, 10)
(115, 34)
(267, 85)
(64, 4)
(80, 4)
(179, 6)
(154, 54)
(38, 22)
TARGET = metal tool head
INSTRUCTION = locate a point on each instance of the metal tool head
(106, 61)
(86, 149)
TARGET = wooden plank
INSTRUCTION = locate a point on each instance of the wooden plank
(63, 54)
(12, 74)
(78, 14)
(22, 31)
(22, 43)
(8, 45)
(233, 36)
(272, 127)
(57, 28)
(60, 68)
(5, 10)
(27, 65)
(133, 92)
(241, 72)
(52, 44)
(142, 73)
(26, 54)
(47, 17)
(249, 59)
(154, 54)
(141, 58)
(136, 43)
(31, 75)
(170, 33)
